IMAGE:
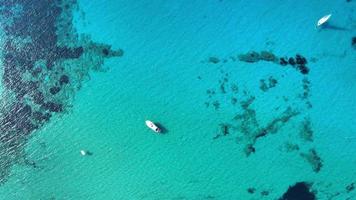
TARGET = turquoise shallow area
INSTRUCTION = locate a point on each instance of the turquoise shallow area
(164, 76)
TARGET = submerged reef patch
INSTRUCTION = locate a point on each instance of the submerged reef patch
(250, 57)
(298, 62)
(265, 86)
(214, 60)
(44, 63)
(306, 132)
(249, 120)
(313, 159)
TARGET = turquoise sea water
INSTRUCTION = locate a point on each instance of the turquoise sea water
(165, 75)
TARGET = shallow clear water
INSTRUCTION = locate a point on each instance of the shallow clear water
(165, 75)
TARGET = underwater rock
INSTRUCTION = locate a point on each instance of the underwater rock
(225, 129)
(353, 42)
(350, 187)
(54, 90)
(249, 149)
(64, 79)
(214, 60)
(261, 133)
(268, 56)
(313, 159)
(291, 61)
(303, 69)
(283, 61)
(251, 190)
(300, 60)
(249, 57)
(299, 191)
(105, 52)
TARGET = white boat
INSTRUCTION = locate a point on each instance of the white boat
(83, 152)
(152, 126)
(323, 20)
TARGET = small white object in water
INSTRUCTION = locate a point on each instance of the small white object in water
(152, 126)
(83, 152)
(323, 20)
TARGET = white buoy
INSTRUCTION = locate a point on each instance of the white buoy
(323, 20)
(83, 152)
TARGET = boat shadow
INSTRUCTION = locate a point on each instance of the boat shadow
(334, 27)
(164, 130)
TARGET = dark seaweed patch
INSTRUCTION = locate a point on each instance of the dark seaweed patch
(32, 64)
(52, 107)
(234, 88)
(306, 132)
(216, 105)
(251, 190)
(40, 117)
(291, 61)
(299, 62)
(283, 61)
(105, 52)
(299, 191)
(54, 90)
(289, 147)
(250, 57)
(38, 97)
(353, 42)
(272, 82)
(263, 85)
(350, 187)
(268, 56)
(313, 159)
(249, 149)
(264, 193)
(214, 60)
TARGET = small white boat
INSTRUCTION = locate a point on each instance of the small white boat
(323, 20)
(83, 152)
(152, 126)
